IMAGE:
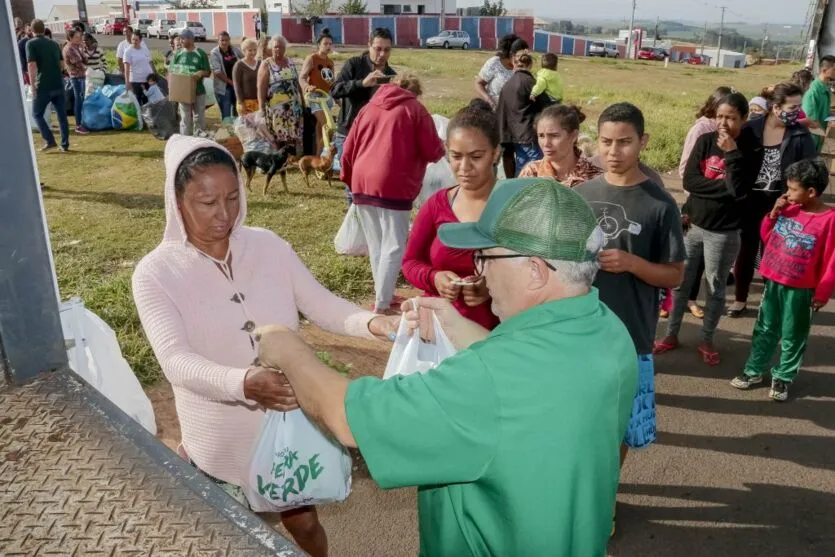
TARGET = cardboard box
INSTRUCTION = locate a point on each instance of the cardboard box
(181, 88)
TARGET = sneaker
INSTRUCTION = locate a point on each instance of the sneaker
(64, 149)
(81, 130)
(48, 147)
(746, 381)
(779, 390)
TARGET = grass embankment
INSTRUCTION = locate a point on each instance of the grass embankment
(104, 200)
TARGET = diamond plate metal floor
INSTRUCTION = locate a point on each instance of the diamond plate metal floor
(78, 477)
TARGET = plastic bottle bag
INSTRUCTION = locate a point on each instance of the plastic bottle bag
(412, 355)
(254, 133)
(294, 465)
(350, 239)
(96, 111)
(209, 85)
(28, 101)
(93, 80)
(160, 118)
(126, 113)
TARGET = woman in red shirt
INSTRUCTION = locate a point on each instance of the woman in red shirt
(473, 148)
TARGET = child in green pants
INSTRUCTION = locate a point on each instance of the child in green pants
(798, 265)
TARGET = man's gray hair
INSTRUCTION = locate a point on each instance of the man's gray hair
(581, 275)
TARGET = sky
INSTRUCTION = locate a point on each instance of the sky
(750, 11)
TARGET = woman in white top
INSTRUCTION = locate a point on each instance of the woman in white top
(138, 66)
(489, 83)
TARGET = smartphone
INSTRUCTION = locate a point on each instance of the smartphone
(385, 79)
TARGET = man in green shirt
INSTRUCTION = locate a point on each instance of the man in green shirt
(195, 62)
(46, 67)
(817, 100)
(513, 442)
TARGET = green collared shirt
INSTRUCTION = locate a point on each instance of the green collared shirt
(513, 442)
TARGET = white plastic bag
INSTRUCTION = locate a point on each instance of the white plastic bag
(209, 86)
(438, 174)
(350, 239)
(93, 80)
(94, 355)
(28, 101)
(126, 113)
(410, 354)
(295, 465)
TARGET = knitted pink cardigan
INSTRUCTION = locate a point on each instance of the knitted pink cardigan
(195, 319)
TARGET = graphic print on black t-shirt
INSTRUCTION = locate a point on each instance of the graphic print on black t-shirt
(771, 171)
(613, 220)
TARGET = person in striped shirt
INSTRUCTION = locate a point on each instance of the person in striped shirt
(95, 57)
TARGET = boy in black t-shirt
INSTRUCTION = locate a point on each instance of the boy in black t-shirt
(644, 250)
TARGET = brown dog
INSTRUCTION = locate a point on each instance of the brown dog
(321, 164)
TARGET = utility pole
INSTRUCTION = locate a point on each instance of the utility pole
(655, 38)
(82, 13)
(765, 38)
(631, 30)
(721, 29)
(704, 33)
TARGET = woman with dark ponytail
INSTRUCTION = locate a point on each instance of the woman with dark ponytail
(517, 113)
(785, 141)
(557, 129)
(316, 79)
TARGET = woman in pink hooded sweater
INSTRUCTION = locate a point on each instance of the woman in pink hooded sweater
(200, 294)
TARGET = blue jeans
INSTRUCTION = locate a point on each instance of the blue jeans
(227, 103)
(42, 100)
(526, 154)
(640, 432)
(339, 141)
(78, 92)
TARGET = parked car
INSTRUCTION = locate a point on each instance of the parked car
(697, 60)
(99, 27)
(160, 27)
(194, 26)
(649, 53)
(604, 50)
(141, 26)
(449, 39)
(116, 27)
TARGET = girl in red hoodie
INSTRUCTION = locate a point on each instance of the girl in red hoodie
(383, 162)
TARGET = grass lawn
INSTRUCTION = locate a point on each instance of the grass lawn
(104, 200)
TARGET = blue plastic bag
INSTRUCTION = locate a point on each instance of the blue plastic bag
(95, 112)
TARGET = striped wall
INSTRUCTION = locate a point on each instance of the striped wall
(238, 23)
(411, 31)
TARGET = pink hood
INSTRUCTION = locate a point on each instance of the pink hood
(177, 149)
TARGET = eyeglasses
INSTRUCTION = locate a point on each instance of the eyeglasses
(479, 258)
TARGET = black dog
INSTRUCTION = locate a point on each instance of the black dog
(270, 164)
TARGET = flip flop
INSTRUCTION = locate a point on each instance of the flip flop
(696, 311)
(710, 358)
(662, 347)
(663, 314)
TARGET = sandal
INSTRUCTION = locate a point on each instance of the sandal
(663, 314)
(708, 357)
(696, 311)
(663, 346)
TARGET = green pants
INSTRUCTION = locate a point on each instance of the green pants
(785, 317)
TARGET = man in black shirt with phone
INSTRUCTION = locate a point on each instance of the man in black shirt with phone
(358, 81)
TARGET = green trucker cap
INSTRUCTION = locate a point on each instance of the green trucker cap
(531, 216)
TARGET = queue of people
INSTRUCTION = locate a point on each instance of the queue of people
(511, 271)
